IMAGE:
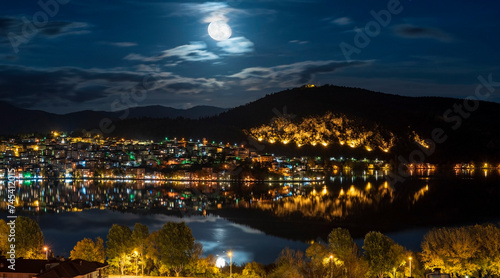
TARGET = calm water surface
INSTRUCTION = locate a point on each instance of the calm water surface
(261, 218)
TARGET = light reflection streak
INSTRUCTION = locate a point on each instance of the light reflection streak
(329, 207)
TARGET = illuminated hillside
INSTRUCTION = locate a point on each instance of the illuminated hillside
(329, 129)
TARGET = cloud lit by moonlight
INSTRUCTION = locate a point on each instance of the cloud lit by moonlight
(219, 30)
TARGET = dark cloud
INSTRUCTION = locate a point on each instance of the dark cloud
(416, 32)
(67, 85)
(307, 73)
(22, 27)
(183, 86)
(28, 87)
(8, 57)
(257, 78)
(6, 23)
(121, 44)
(55, 29)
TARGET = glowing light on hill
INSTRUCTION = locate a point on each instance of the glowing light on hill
(325, 130)
(420, 141)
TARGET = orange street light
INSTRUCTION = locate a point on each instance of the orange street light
(331, 266)
(410, 265)
(135, 252)
(230, 254)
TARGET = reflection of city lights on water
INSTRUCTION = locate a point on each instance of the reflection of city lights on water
(368, 186)
(348, 202)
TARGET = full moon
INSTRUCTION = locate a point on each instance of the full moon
(220, 263)
(219, 30)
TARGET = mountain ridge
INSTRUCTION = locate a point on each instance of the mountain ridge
(29, 121)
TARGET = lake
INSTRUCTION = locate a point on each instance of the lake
(256, 220)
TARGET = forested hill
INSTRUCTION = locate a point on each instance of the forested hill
(319, 119)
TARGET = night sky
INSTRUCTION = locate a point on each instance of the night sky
(65, 56)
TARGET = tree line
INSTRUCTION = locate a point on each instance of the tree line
(469, 251)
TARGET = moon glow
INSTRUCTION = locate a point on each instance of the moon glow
(220, 263)
(219, 30)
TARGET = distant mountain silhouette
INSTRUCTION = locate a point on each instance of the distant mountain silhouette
(18, 120)
(157, 111)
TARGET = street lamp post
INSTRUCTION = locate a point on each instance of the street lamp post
(230, 264)
(46, 249)
(331, 266)
(135, 252)
(410, 267)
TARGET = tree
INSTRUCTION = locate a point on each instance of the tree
(153, 252)
(100, 250)
(254, 270)
(119, 247)
(382, 254)
(89, 250)
(417, 268)
(454, 250)
(343, 247)
(29, 239)
(139, 243)
(176, 244)
(290, 264)
(4, 234)
(319, 260)
(199, 266)
(399, 257)
(341, 243)
(487, 238)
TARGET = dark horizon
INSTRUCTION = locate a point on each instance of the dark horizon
(488, 99)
